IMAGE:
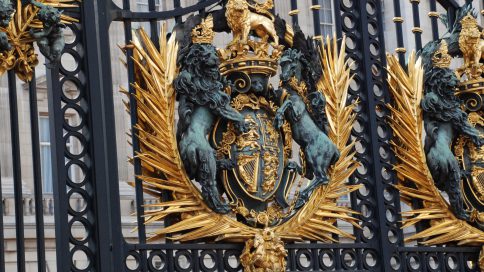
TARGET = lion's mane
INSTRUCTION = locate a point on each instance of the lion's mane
(196, 86)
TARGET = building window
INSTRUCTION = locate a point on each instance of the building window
(326, 18)
(45, 154)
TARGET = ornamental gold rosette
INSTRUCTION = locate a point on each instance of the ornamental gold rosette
(227, 164)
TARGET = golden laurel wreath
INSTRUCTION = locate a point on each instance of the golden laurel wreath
(163, 170)
(416, 180)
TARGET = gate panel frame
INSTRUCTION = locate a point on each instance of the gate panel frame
(107, 248)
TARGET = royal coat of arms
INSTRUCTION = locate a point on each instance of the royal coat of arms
(437, 116)
(228, 162)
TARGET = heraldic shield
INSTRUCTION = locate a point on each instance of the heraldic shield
(259, 154)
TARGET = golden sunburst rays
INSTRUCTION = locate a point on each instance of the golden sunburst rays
(416, 181)
(22, 57)
(163, 170)
(315, 221)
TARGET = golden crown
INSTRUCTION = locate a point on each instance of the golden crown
(203, 33)
(468, 21)
(441, 57)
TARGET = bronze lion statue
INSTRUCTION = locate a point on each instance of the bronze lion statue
(200, 90)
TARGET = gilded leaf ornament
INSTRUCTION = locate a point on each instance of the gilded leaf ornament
(22, 26)
(416, 180)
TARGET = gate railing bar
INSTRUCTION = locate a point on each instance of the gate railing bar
(2, 238)
(337, 20)
(449, 4)
(434, 16)
(294, 17)
(135, 141)
(398, 21)
(106, 240)
(59, 172)
(417, 30)
(39, 215)
(166, 195)
(385, 249)
(202, 10)
(141, 228)
(17, 171)
(177, 6)
(316, 18)
(178, 12)
(154, 24)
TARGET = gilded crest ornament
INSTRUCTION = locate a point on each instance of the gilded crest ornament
(229, 164)
(27, 22)
(449, 156)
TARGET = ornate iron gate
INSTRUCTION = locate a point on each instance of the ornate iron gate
(379, 244)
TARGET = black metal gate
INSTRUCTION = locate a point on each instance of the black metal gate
(379, 244)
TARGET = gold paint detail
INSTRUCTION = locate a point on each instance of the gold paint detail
(289, 36)
(286, 130)
(417, 183)
(315, 7)
(243, 18)
(203, 33)
(293, 12)
(264, 252)
(22, 57)
(228, 138)
(441, 57)
(400, 50)
(434, 14)
(248, 166)
(417, 30)
(270, 155)
(472, 47)
(398, 19)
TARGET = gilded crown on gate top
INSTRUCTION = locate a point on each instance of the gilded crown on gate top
(203, 33)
